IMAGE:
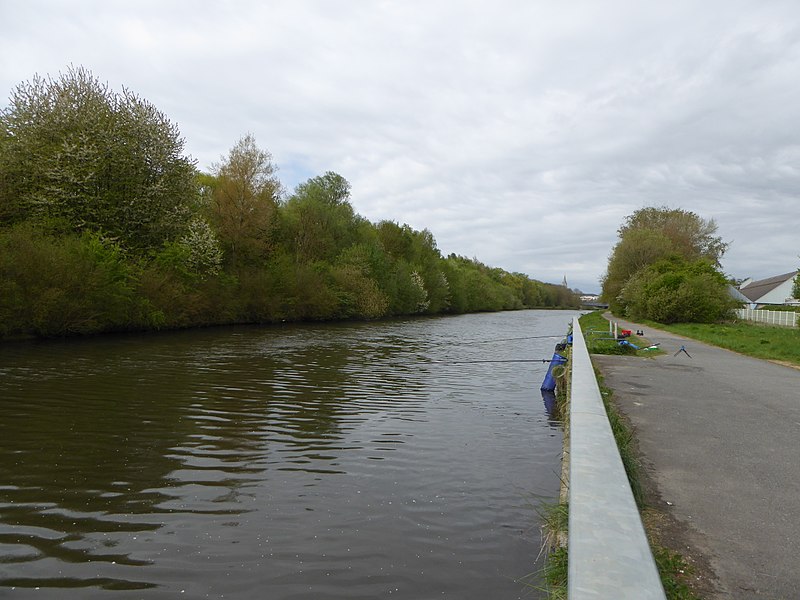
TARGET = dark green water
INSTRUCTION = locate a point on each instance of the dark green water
(324, 461)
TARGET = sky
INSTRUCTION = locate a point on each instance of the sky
(519, 132)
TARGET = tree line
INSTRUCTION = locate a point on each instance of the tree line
(105, 225)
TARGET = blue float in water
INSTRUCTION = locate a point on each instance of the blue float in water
(549, 382)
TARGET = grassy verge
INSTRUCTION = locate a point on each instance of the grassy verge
(759, 341)
(553, 576)
(675, 572)
(600, 341)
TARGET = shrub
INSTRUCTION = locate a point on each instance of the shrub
(51, 286)
(676, 290)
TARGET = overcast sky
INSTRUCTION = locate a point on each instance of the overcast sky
(518, 132)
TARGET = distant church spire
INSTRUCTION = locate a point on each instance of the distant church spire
(564, 283)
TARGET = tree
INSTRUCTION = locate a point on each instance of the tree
(321, 220)
(636, 250)
(77, 156)
(796, 288)
(691, 236)
(652, 234)
(243, 201)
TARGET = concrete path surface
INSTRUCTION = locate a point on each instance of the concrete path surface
(720, 435)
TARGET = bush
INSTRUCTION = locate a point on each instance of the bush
(675, 290)
(51, 286)
(359, 295)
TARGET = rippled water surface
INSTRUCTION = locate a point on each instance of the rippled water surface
(320, 461)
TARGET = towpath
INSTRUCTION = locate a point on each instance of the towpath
(719, 434)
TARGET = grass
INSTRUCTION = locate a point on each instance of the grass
(626, 443)
(753, 339)
(672, 567)
(600, 341)
(760, 341)
(552, 577)
(555, 573)
(555, 518)
(674, 571)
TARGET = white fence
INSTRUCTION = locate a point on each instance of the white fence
(770, 317)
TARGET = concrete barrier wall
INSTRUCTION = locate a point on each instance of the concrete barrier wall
(609, 556)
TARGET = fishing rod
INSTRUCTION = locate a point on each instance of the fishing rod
(510, 360)
(514, 339)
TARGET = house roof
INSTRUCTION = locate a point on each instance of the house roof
(737, 295)
(758, 289)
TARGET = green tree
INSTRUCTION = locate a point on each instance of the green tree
(635, 250)
(319, 218)
(243, 198)
(77, 156)
(691, 236)
(652, 234)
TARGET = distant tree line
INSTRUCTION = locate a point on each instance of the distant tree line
(106, 225)
(666, 268)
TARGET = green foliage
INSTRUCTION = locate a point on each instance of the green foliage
(76, 156)
(626, 442)
(634, 252)
(312, 298)
(359, 295)
(690, 236)
(203, 256)
(555, 573)
(104, 225)
(676, 290)
(674, 572)
(194, 257)
(796, 287)
(262, 294)
(243, 195)
(66, 285)
(320, 220)
(653, 234)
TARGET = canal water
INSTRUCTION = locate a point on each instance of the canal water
(371, 460)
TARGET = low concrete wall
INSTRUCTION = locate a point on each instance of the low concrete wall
(609, 556)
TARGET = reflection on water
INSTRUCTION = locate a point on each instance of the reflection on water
(327, 461)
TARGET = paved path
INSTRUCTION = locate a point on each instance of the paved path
(720, 433)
